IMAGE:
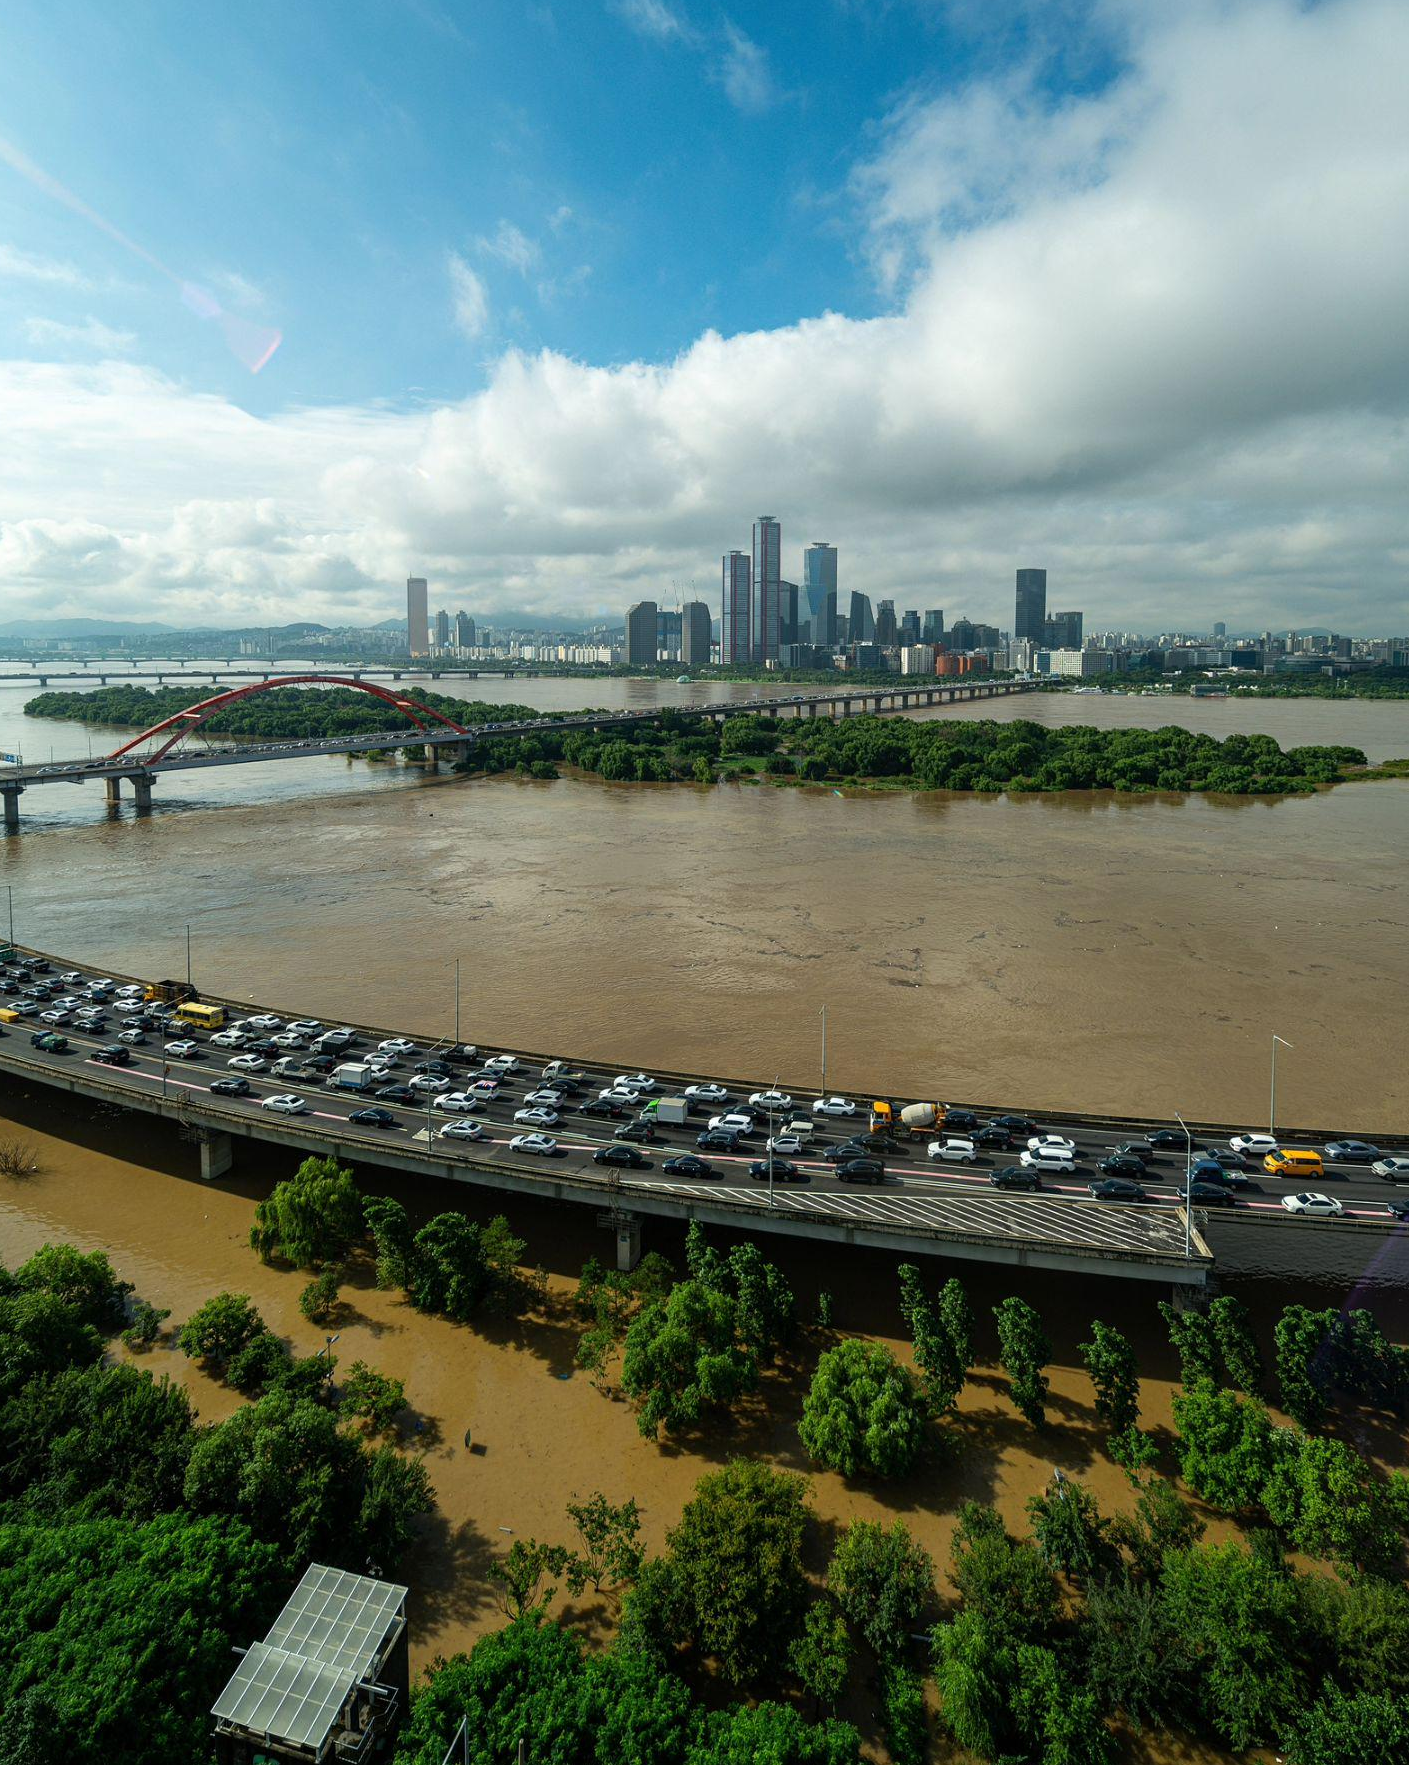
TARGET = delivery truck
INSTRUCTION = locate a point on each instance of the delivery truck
(353, 1075)
(169, 992)
(673, 1109)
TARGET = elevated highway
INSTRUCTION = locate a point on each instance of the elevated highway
(924, 1207)
(169, 746)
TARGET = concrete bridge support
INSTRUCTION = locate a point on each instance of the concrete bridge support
(11, 794)
(142, 791)
(217, 1155)
(112, 790)
(628, 1244)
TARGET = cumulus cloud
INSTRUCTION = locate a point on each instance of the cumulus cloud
(1152, 338)
(90, 334)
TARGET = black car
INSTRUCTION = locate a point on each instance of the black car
(1230, 1160)
(992, 1136)
(1118, 1189)
(1399, 1209)
(1169, 1140)
(396, 1093)
(235, 1087)
(627, 1155)
(861, 1170)
(1122, 1164)
(1204, 1194)
(372, 1117)
(1014, 1124)
(1016, 1176)
(783, 1169)
(637, 1131)
(599, 1106)
(846, 1149)
(320, 1062)
(263, 1045)
(717, 1140)
(959, 1121)
(1137, 1149)
(687, 1165)
(113, 1055)
(441, 1068)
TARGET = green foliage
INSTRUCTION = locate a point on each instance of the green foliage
(521, 1572)
(1070, 1531)
(1024, 1351)
(821, 1655)
(1365, 1728)
(1191, 1333)
(145, 1327)
(883, 1581)
(319, 1300)
(772, 1734)
(1162, 1522)
(736, 1590)
(610, 1536)
(1227, 1447)
(1237, 1345)
(313, 1218)
(1303, 1371)
(396, 1491)
(1004, 1698)
(390, 1226)
(1002, 1579)
(374, 1397)
(685, 1356)
(1131, 1655)
(41, 1334)
(1330, 1503)
(457, 1267)
(83, 1281)
(942, 1334)
(1115, 1375)
(903, 1716)
(1133, 1450)
(217, 1331)
(611, 1298)
(765, 1310)
(862, 1413)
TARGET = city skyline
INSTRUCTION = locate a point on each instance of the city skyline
(1007, 303)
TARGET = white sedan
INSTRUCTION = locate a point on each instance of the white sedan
(1256, 1144)
(501, 1063)
(536, 1118)
(634, 1081)
(462, 1131)
(302, 1026)
(247, 1062)
(285, 1103)
(486, 1088)
(430, 1081)
(773, 1100)
(393, 1045)
(733, 1123)
(786, 1143)
(1395, 1168)
(230, 1039)
(834, 1106)
(265, 1021)
(546, 1096)
(457, 1102)
(544, 1144)
(706, 1093)
(954, 1151)
(1312, 1202)
(1052, 1142)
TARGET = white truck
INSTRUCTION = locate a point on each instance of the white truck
(353, 1075)
(673, 1109)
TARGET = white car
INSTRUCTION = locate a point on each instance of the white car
(1259, 1145)
(265, 1021)
(486, 1088)
(457, 1102)
(1394, 1167)
(25, 1007)
(1312, 1202)
(536, 1118)
(129, 1008)
(462, 1131)
(501, 1063)
(285, 1102)
(128, 992)
(706, 1093)
(1057, 1142)
(183, 1050)
(430, 1081)
(302, 1026)
(393, 1045)
(1048, 1158)
(230, 1039)
(833, 1106)
(71, 978)
(247, 1062)
(774, 1100)
(785, 1143)
(954, 1151)
(102, 988)
(56, 1015)
(287, 1039)
(133, 1038)
(733, 1123)
(634, 1081)
(288, 1063)
(613, 1095)
(381, 1062)
(540, 1143)
(546, 1096)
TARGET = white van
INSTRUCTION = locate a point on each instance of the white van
(1048, 1158)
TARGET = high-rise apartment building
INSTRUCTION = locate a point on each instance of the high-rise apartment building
(641, 634)
(819, 590)
(932, 631)
(418, 637)
(885, 625)
(765, 612)
(861, 624)
(1219, 628)
(668, 638)
(442, 630)
(695, 634)
(735, 612)
(1062, 631)
(464, 632)
(1031, 617)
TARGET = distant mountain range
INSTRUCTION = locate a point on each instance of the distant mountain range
(81, 628)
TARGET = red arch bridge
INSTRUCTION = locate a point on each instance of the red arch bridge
(184, 742)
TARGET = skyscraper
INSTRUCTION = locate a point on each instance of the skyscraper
(1062, 631)
(735, 634)
(464, 632)
(885, 625)
(641, 634)
(910, 626)
(418, 637)
(861, 625)
(819, 588)
(932, 631)
(1031, 614)
(668, 636)
(442, 630)
(695, 634)
(767, 574)
(787, 614)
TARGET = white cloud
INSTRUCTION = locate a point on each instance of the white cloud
(469, 297)
(26, 266)
(744, 72)
(510, 246)
(90, 334)
(653, 18)
(1158, 345)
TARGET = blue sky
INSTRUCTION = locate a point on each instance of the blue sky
(569, 293)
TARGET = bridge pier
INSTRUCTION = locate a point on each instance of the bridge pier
(217, 1155)
(112, 790)
(628, 1244)
(142, 791)
(11, 794)
(431, 754)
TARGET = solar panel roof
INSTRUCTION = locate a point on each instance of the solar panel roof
(294, 1684)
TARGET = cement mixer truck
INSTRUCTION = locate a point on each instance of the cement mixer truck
(921, 1118)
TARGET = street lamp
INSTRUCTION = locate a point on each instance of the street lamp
(772, 1095)
(10, 892)
(188, 955)
(1188, 1180)
(824, 1051)
(1272, 1106)
(327, 1349)
(457, 1001)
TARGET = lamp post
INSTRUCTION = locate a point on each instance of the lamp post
(457, 1001)
(327, 1349)
(772, 1094)
(10, 893)
(188, 955)
(1188, 1181)
(1272, 1106)
(824, 1051)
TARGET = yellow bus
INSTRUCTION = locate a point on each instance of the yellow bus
(201, 1017)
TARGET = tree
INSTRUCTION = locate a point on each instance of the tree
(973, 1668)
(1003, 1579)
(217, 1331)
(1303, 1366)
(735, 1565)
(374, 1397)
(1070, 1530)
(1161, 1522)
(396, 1491)
(1362, 1728)
(1227, 1447)
(772, 1734)
(390, 1226)
(319, 1299)
(1330, 1503)
(1115, 1375)
(1131, 1655)
(313, 1218)
(1024, 1350)
(1194, 1341)
(610, 1539)
(83, 1281)
(683, 1357)
(821, 1655)
(41, 1334)
(942, 1336)
(882, 1581)
(903, 1715)
(450, 1271)
(862, 1413)
(145, 1327)
(1232, 1329)
(520, 1575)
